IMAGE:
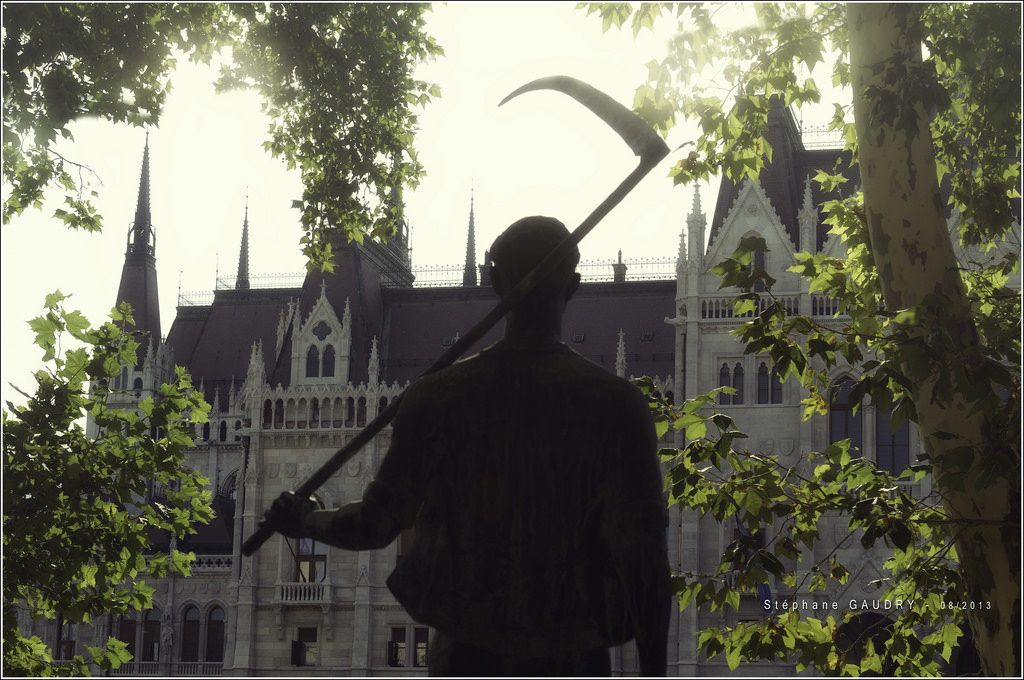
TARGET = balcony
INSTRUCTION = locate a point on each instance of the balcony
(306, 593)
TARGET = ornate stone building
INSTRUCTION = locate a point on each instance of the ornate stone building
(292, 373)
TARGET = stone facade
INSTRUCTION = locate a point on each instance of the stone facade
(293, 373)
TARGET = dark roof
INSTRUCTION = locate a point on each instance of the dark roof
(215, 538)
(783, 177)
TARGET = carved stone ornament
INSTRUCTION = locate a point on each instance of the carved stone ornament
(290, 469)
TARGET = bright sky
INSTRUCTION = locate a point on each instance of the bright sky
(542, 153)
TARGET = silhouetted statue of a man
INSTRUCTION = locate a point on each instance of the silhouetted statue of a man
(531, 479)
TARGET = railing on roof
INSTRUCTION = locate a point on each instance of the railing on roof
(450, 276)
(821, 137)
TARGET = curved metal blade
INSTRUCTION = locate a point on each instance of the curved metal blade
(641, 137)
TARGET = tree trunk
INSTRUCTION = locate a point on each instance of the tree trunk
(913, 251)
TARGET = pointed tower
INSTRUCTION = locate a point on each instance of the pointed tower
(242, 281)
(807, 220)
(696, 226)
(138, 285)
(469, 273)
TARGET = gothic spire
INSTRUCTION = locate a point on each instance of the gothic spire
(242, 281)
(138, 285)
(469, 273)
(141, 238)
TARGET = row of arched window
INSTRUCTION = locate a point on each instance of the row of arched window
(769, 386)
(892, 445)
(222, 431)
(317, 412)
(200, 638)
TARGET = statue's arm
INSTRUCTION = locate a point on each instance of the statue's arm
(364, 525)
(390, 502)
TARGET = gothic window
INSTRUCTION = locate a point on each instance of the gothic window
(190, 635)
(763, 387)
(278, 414)
(759, 264)
(321, 331)
(361, 412)
(843, 423)
(724, 381)
(126, 631)
(223, 430)
(313, 362)
(314, 413)
(138, 386)
(151, 636)
(893, 447)
(268, 413)
(66, 635)
(215, 635)
(350, 412)
(382, 404)
(328, 371)
(737, 383)
(769, 387)
(206, 431)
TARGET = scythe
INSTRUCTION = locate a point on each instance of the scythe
(644, 142)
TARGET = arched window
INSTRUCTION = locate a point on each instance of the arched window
(361, 412)
(138, 386)
(313, 362)
(893, 447)
(314, 413)
(759, 264)
(215, 635)
(126, 631)
(724, 381)
(206, 431)
(268, 413)
(223, 430)
(279, 414)
(843, 423)
(190, 635)
(763, 386)
(769, 387)
(350, 412)
(737, 383)
(151, 636)
(382, 404)
(328, 362)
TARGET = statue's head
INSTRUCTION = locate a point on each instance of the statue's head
(522, 247)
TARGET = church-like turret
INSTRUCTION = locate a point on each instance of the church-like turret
(138, 285)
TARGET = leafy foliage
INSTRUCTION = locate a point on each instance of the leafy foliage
(722, 70)
(316, 66)
(76, 522)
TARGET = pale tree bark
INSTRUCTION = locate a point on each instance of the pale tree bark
(913, 250)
